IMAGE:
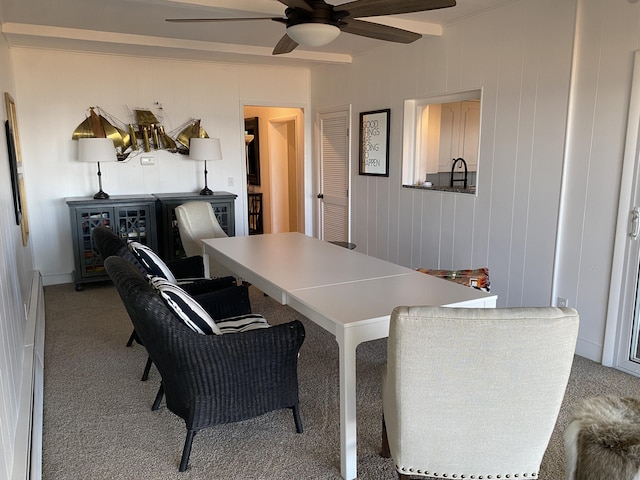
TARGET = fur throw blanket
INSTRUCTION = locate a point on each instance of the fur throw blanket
(602, 441)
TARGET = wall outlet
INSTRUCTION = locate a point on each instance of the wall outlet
(230, 181)
(562, 302)
(147, 161)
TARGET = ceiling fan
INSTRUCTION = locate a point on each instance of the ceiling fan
(316, 23)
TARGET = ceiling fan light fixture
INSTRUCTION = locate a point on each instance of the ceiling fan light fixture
(313, 34)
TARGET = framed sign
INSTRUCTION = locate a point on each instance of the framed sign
(374, 143)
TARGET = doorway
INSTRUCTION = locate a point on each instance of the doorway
(276, 194)
(284, 175)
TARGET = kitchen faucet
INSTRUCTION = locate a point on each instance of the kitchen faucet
(453, 167)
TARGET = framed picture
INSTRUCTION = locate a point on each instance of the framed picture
(374, 143)
(253, 150)
(13, 171)
(15, 160)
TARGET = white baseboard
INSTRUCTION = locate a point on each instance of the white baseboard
(57, 279)
(589, 350)
(27, 460)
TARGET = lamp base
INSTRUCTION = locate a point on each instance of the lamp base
(101, 195)
(206, 191)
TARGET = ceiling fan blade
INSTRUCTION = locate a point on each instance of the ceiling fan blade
(285, 45)
(380, 32)
(203, 20)
(297, 4)
(375, 8)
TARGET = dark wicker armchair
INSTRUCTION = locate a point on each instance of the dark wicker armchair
(109, 243)
(189, 271)
(212, 379)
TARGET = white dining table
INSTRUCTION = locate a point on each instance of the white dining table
(346, 292)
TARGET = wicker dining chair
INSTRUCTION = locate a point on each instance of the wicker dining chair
(187, 272)
(212, 379)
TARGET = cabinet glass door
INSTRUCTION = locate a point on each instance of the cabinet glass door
(222, 215)
(133, 223)
(90, 259)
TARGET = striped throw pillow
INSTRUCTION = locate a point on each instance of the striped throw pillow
(184, 306)
(151, 261)
(191, 313)
(242, 323)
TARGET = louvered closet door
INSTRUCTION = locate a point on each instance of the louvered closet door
(334, 173)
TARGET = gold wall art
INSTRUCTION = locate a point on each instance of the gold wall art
(145, 133)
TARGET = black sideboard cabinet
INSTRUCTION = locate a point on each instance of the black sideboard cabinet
(148, 219)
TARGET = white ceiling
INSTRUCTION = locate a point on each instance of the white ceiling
(139, 27)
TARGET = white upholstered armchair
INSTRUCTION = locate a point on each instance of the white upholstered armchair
(474, 393)
(197, 220)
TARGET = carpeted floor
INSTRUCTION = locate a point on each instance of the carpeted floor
(98, 423)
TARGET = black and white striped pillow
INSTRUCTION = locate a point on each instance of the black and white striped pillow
(196, 318)
(151, 261)
(184, 306)
(242, 323)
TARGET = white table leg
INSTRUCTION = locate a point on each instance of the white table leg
(348, 445)
(205, 260)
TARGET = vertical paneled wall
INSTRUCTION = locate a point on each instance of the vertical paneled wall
(15, 271)
(510, 226)
(609, 34)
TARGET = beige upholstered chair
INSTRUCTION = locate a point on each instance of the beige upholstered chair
(197, 220)
(475, 393)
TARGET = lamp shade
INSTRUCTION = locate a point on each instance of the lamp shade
(205, 149)
(313, 34)
(96, 150)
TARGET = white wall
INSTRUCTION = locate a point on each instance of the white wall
(16, 266)
(525, 76)
(55, 89)
(609, 34)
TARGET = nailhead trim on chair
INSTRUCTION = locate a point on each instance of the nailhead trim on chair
(411, 470)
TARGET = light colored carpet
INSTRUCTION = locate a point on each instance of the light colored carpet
(98, 423)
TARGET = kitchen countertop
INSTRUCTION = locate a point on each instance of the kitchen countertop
(471, 189)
